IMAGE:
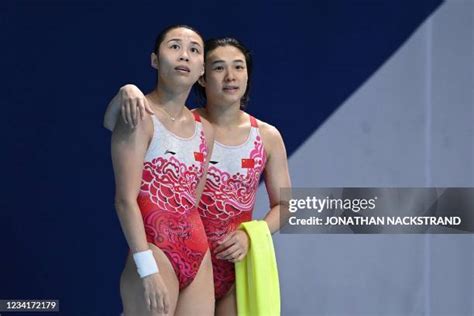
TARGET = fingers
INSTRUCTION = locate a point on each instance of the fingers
(133, 111)
(128, 115)
(134, 105)
(226, 242)
(236, 256)
(148, 108)
(159, 303)
(148, 303)
(166, 304)
(141, 108)
(239, 258)
(230, 253)
(233, 247)
(154, 304)
(123, 111)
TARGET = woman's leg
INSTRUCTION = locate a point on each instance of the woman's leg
(227, 305)
(132, 291)
(198, 297)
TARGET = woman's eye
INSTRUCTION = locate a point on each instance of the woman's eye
(219, 68)
(174, 46)
(195, 50)
(240, 67)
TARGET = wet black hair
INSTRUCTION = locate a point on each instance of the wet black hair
(211, 45)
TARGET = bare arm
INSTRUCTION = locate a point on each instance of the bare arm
(276, 175)
(234, 246)
(112, 112)
(128, 151)
(130, 103)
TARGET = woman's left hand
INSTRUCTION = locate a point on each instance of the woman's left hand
(233, 247)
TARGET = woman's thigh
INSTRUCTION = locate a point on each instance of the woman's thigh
(227, 305)
(131, 287)
(198, 297)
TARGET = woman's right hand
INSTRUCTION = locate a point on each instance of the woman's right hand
(156, 293)
(133, 104)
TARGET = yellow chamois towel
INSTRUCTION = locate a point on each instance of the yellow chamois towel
(256, 276)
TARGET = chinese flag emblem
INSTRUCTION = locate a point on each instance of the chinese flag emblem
(198, 156)
(248, 163)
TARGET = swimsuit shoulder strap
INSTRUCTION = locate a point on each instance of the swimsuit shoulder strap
(197, 117)
(253, 121)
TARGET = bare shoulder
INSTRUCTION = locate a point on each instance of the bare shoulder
(270, 134)
(207, 126)
(271, 137)
(143, 129)
(201, 111)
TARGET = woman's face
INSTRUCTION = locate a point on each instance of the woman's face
(180, 59)
(226, 76)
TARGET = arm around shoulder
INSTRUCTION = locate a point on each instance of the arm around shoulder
(112, 112)
(130, 104)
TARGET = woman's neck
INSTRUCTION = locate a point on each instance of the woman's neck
(224, 115)
(173, 100)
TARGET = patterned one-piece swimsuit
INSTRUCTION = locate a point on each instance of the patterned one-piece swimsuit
(172, 169)
(229, 197)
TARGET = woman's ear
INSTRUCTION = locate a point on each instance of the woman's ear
(154, 61)
(202, 70)
(202, 81)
